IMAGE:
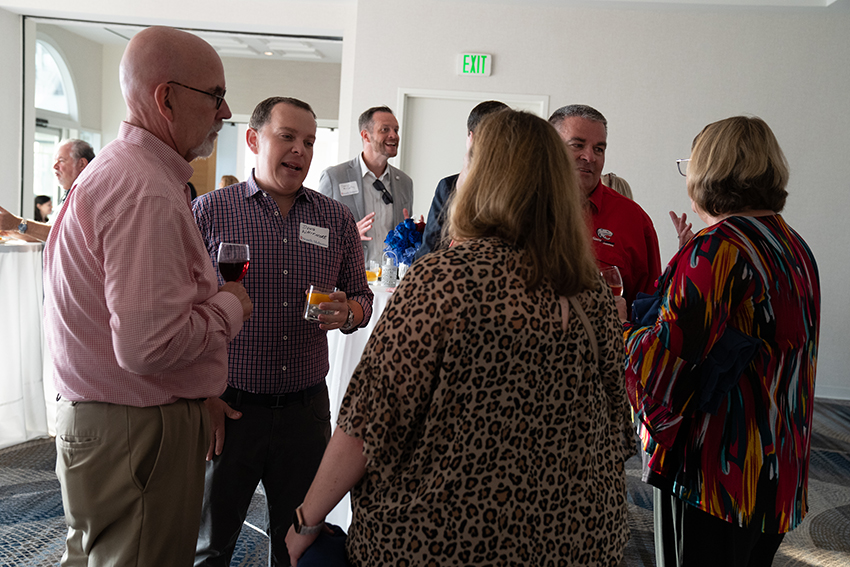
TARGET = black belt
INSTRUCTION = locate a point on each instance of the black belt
(237, 397)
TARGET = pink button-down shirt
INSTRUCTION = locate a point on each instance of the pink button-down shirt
(133, 314)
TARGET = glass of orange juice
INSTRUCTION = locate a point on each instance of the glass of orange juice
(372, 272)
(315, 296)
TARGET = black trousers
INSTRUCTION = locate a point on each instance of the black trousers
(685, 536)
(280, 447)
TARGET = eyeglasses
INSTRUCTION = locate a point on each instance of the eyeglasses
(682, 164)
(219, 98)
(385, 195)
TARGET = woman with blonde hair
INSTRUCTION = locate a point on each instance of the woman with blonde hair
(618, 184)
(227, 181)
(722, 376)
(487, 421)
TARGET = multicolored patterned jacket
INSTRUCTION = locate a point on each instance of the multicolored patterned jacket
(748, 463)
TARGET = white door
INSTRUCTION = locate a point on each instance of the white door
(433, 134)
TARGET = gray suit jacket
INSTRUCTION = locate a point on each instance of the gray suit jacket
(400, 187)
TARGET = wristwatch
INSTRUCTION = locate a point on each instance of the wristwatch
(349, 321)
(300, 528)
(22, 227)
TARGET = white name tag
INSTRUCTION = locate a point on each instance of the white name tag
(349, 188)
(315, 235)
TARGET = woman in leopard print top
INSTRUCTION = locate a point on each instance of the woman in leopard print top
(480, 428)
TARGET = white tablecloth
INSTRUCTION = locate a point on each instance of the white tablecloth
(23, 413)
(344, 352)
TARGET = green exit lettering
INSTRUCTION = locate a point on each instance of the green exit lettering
(474, 64)
(478, 64)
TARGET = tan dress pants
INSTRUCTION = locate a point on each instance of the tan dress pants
(132, 482)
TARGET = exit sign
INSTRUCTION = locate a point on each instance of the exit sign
(477, 64)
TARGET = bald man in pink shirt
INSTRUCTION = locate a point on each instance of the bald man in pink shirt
(135, 320)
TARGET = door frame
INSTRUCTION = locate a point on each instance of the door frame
(539, 103)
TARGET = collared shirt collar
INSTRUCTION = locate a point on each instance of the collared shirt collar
(364, 169)
(251, 188)
(173, 161)
(596, 197)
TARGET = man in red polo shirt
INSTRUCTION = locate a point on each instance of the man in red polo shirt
(622, 232)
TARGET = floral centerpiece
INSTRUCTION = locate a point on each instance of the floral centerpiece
(404, 240)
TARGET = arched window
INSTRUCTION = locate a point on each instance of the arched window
(56, 113)
(54, 89)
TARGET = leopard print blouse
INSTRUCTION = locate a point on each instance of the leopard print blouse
(492, 436)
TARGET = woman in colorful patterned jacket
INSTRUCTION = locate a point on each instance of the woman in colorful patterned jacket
(722, 378)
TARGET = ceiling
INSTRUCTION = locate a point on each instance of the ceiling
(328, 49)
(736, 3)
(227, 44)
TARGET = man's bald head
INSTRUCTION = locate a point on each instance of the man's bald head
(157, 55)
(161, 61)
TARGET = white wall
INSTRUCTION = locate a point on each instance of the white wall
(659, 76)
(10, 112)
(251, 80)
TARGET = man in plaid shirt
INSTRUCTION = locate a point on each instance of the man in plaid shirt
(273, 422)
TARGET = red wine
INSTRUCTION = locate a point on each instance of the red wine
(615, 289)
(233, 271)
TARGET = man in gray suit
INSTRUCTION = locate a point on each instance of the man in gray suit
(378, 194)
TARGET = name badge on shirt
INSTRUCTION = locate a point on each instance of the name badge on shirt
(349, 188)
(315, 235)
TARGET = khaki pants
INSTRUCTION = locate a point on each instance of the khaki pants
(132, 481)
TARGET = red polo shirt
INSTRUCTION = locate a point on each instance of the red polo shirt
(623, 236)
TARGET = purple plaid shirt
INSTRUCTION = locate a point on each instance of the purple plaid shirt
(278, 351)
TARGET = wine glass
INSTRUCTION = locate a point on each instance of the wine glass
(233, 260)
(612, 277)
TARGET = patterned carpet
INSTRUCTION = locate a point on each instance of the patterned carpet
(32, 525)
(823, 539)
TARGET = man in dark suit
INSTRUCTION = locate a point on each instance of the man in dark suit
(378, 194)
(446, 186)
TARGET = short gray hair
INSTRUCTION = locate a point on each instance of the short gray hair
(80, 149)
(577, 111)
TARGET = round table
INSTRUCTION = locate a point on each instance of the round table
(344, 352)
(22, 395)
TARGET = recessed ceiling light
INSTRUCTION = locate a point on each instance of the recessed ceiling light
(269, 53)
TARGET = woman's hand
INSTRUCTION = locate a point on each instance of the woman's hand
(622, 309)
(683, 228)
(297, 544)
